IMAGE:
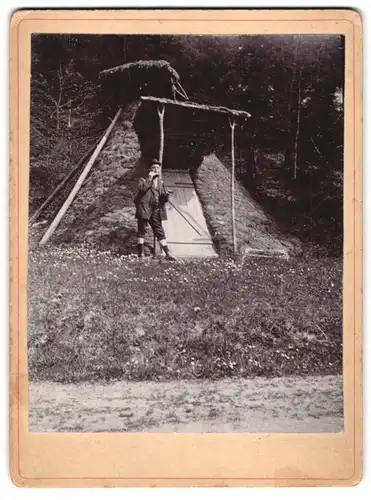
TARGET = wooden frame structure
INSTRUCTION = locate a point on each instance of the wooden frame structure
(234, 117)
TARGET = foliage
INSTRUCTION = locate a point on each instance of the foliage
(65, 122)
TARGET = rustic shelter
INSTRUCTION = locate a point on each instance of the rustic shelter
(129, 81)
(180, 141)
(156, 119)
(181, 135)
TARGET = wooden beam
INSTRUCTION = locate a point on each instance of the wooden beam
(234, 242)
(61, 185)
(76, 188)
(258, 252)
(236, 113)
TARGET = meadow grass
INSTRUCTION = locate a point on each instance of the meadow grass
(97, 316)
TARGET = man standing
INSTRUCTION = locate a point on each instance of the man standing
(150, 208)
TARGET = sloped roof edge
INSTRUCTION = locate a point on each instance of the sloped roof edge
(145, 65)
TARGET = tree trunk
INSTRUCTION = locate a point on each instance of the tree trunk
(289, 143)
(297, 127)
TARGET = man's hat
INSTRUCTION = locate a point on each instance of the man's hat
(155, 162)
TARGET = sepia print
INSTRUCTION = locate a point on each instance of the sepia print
(186, 248)
(228, 151)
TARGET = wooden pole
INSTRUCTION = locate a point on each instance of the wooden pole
(60, 186)
(173, 89)
(76, 188)
(161, 113)
(233, 124)
(182, 91)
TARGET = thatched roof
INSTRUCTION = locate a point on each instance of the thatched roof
(204, 107)
(142, 65)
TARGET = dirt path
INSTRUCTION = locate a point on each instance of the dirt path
(285, 404)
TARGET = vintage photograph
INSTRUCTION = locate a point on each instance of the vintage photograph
(185, 268)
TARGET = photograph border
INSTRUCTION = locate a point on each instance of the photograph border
(169, 460)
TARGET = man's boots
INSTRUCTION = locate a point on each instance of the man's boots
(168, 254)
(140, 250)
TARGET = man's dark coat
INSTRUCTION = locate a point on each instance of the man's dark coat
(149, 200)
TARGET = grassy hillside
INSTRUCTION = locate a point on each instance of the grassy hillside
(96, 316)
(311, 207)
(103, 211)
(254, 228)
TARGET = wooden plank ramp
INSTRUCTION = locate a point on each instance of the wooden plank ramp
(186, 229)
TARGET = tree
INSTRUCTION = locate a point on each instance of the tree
(64, 118)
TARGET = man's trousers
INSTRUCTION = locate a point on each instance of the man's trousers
(155, 224)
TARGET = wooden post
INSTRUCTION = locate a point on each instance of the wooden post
(161, 113)
(233, 124)
(60, 186)
(76, 188)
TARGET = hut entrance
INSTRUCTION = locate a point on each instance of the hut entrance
(185, 227)
(181, 134)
